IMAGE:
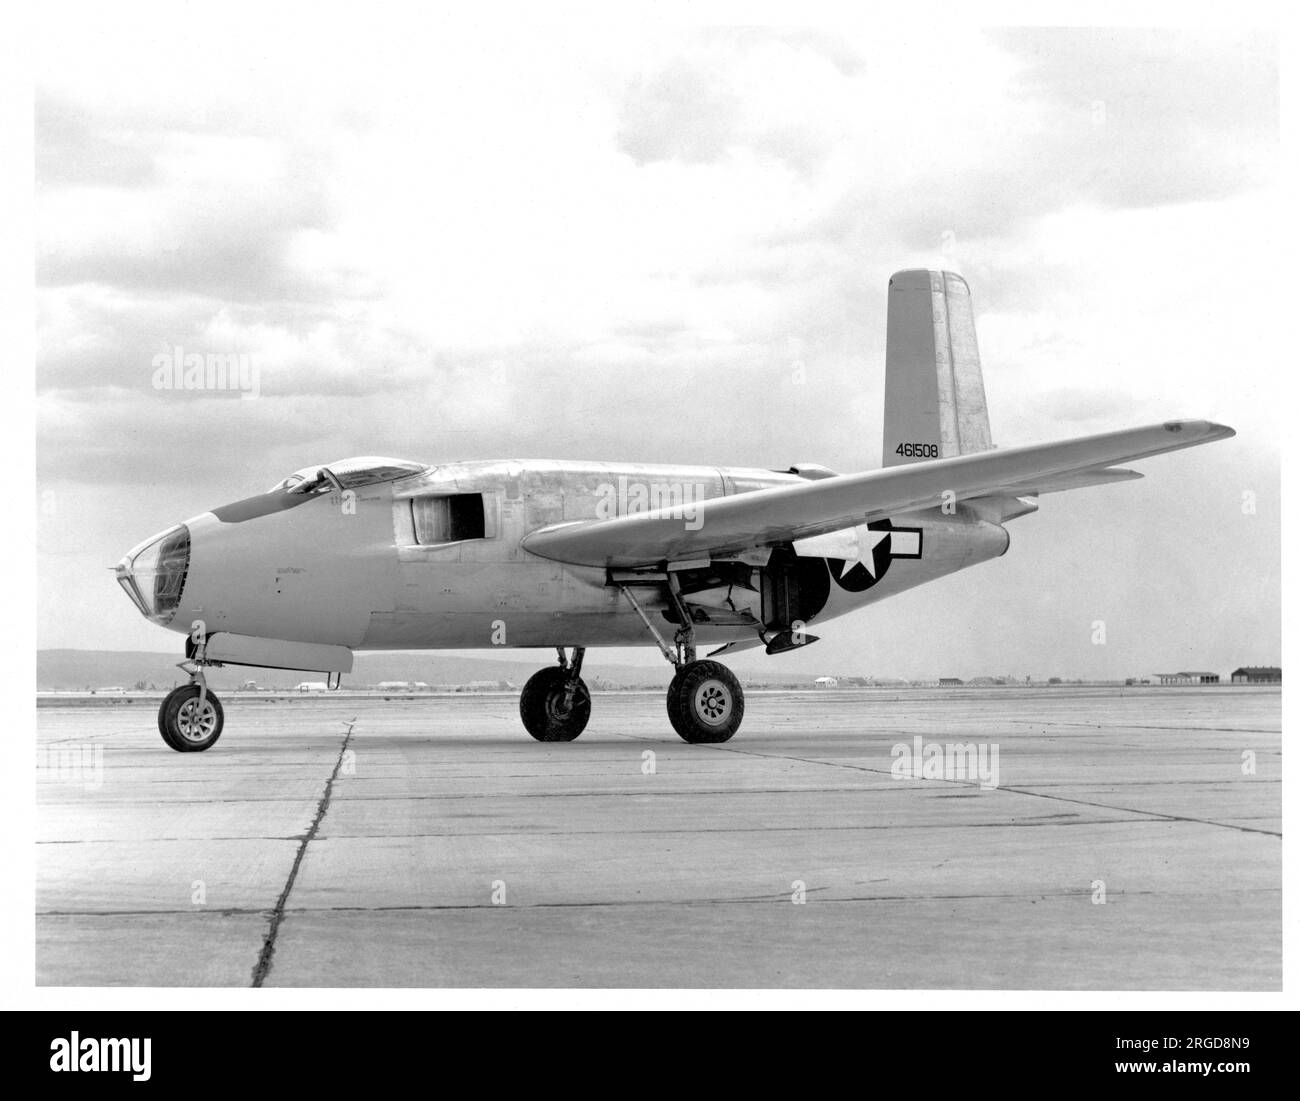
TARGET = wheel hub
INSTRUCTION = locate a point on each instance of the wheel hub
(713, 703)
(195, 725)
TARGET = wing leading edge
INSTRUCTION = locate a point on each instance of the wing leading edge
(724, 526)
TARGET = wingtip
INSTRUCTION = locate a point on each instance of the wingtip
(1207, 430)
(1215, 431)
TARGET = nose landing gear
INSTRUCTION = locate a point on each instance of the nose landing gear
(555, 704)
(191, 718)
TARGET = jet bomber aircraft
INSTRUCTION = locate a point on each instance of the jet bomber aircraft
(388, 554)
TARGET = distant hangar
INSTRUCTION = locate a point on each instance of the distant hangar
(1257, 674)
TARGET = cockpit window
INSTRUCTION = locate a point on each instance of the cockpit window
(365, 470)
(370, 470)
(311, 479)
(314, 479)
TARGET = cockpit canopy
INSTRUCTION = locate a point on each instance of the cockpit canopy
(362, 470)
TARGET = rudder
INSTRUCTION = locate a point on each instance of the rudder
(934, 388)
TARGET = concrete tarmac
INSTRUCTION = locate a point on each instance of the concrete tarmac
(1133, 841)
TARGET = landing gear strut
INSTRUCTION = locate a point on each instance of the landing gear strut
(705, 700)
(555, 704)
(190, 718)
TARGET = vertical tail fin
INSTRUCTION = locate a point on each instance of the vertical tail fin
(934, 388)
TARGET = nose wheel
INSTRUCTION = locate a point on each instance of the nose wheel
(190, 719)
(555, 704)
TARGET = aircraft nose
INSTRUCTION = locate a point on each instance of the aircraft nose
(153, 573)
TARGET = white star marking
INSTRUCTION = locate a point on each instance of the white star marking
(868, 540)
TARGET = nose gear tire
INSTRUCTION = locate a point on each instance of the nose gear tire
(184, 726)
(543, 710)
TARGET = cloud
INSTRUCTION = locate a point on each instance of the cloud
(148, 210)
(73, 150)
(683, 112)
(828, 45)
(1139, 118)
(736, 91)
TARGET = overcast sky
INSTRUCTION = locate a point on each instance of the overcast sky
(444, 242)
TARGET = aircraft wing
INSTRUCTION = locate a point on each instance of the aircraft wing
(728, 526)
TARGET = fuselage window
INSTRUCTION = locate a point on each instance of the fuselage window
(448, 519)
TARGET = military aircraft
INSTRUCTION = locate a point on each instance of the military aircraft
(388, 554)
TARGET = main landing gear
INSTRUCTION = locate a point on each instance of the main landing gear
(190, 718)
(705, 700)
(555, 704)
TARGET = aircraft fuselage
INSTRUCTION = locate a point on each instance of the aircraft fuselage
(370, 569)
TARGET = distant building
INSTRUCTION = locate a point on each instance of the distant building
(312, 686)
(826, 682)
(112, 690)
(949, 682)
(1257, 674)
(1188, 678)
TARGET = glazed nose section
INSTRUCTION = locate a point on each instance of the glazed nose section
(153, 574)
